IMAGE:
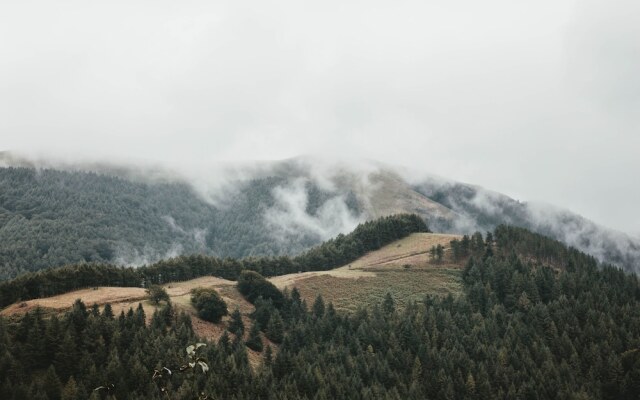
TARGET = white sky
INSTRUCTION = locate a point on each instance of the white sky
(538, 99)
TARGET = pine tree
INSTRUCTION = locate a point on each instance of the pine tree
(66, 358)
(52, 384)
(275, 328)
(439, 252)
(254, 342)
(108, 311)
(318, 307)
(236, 326)
(70, 391)
(388, 304)
(268, 356)
(416, 371)
(470, 386)
(432, 253)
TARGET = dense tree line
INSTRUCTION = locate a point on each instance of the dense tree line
(367, 236)
(524, 328)
(65, 279)
(50, 218)
(474, 245)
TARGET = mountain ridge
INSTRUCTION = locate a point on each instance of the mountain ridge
(266, 209)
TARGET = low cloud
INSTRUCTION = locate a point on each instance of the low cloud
(131, 257)
(197, 235)
(537, 99)
(289, 216)
(603, 243)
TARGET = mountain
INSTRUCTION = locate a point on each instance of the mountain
(53, 214)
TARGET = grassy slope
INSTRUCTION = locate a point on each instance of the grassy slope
(363, 282)
(368, 279)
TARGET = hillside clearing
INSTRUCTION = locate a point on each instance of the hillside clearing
(99, 295)
(402, 268)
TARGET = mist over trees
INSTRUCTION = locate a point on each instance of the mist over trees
(478, 209)
(50, 218)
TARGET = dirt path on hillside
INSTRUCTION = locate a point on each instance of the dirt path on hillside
(288, 280)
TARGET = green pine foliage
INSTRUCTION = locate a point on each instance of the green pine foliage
(210, 306)
(50, 218)
(236, 325)
(252, 285)
(157, 294)
(254, 342)
(536, 320)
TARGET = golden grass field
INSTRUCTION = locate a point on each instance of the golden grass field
(402, 268)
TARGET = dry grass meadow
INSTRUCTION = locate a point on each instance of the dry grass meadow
(402, 268)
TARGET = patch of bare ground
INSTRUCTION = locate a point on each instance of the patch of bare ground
(412, 250)
(403, 268)
(211, 331)
(290, 280)
(404, 285)
(183, 288)
(99, 295)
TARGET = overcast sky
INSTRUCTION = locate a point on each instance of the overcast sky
(539, 99)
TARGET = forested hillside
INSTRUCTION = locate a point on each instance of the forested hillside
(370, 235)
(478, 209)
(536, 320)
(51, 218)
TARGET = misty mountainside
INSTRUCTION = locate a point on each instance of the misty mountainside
(454, 207)
(51, 218)
(119, 214)
(478, 209)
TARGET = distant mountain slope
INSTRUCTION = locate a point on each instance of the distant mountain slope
(478, 209)
(50, 217)
(454, 207)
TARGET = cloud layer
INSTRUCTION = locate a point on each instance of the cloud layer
(538, 100)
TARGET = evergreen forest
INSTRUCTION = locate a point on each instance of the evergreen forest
(536, 320)
(50, 218)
